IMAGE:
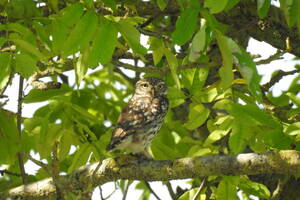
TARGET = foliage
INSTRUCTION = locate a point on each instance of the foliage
(218, 105)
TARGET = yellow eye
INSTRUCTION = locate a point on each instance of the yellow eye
(160, 86)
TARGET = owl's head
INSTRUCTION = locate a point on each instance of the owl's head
(151, 86)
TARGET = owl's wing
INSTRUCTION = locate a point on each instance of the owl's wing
(137, 116)
(129, 120)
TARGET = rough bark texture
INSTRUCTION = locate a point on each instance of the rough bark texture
(127, 167)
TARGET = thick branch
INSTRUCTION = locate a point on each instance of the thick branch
(281, 162)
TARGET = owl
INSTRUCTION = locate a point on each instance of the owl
(142, 118)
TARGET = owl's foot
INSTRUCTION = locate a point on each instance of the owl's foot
(124, 159)
(142, 156)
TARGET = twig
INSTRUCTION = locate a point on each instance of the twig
(273, 57)
(19, 123)
(35, 83)
(278, 77)
(108, 196)
(151, 69)
(148, 21)
(279, 188)
(170, 189)
(151, 190)
(100, 191)
(4, 171)
(200, 189)
(148, 69)
(37, 162)
(126, 189)
(55, 171)
(154, 34)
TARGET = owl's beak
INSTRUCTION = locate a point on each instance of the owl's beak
(152, 92)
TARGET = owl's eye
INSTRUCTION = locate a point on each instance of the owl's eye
(160, 86)
(145, 85)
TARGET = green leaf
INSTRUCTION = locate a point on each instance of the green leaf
(247, 68)
(36, 95)
(263, 7)
(80, 69)
(161, 4)
(63, 23)
(188, 195)
(225, 71)
(185, 26)
(294, 98)
(215, 6)
(158, 48)
(82, 112)
(71, 14)
(9, 138)
(86, 27)
(29, 48)
(47, 138)
(2, 41)
(81, 157)
(110, 3)
(253, 188)
(289, 8)
(231, 4)
(293, 129)
(227, 190)
(197, 116)
(25, 65)
(5, 69)
(132, 36)
(220, 132)
(274, 138)
(104, 44)
(198, 43)
(239, 136)
(43, 33)
(173, 64)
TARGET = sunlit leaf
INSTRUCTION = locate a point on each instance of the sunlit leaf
(9, 138)
(81, 156)
(225, 71)
(104, 44)
(253, 188)
(86, 26)
(197, 116)
(198, 43)
(5, 69)
(227, 189)
(215, 6)
(25, 65)
(190, 194)
(36, 95)
(263, 7)
(173, 64)
(132, 36)
(29, 48)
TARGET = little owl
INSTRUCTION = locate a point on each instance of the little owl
(142, 118)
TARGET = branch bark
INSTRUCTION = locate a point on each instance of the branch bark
(280, 162)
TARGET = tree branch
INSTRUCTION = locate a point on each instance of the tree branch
(19, 123)
(35, 83)
(276, 78)
(5, 171)
(281, 162)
